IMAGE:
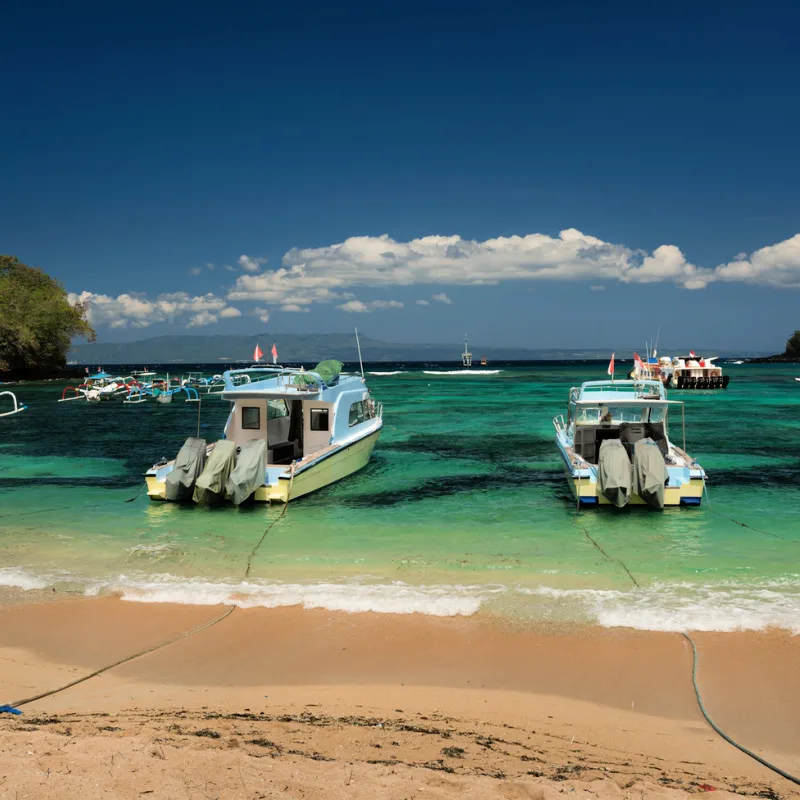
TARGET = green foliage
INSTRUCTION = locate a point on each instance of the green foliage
(793, 345)
(37, 321)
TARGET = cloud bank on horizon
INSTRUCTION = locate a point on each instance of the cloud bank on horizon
(330, 274)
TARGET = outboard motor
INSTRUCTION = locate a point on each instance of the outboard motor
(250, 472)
(614, 472)
(650, 474)
(210, 486)
(189, 464)
(725, 381)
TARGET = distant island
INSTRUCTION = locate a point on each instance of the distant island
(789, 356)
(314, 347)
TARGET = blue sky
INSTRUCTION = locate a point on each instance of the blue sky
(143, 144)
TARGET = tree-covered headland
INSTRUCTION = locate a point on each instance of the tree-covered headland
(37, 321)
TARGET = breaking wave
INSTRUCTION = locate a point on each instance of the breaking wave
(462, 372)
(660, 607)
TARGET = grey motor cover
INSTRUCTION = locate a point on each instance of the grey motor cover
(649, 472)
(189, 464)
(249, 473)
(210, 486)
(614, 472)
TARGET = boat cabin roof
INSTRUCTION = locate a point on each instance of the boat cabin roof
(633, 393)
(283, 382)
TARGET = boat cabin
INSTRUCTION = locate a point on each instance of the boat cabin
(624, 410)
(297, 412)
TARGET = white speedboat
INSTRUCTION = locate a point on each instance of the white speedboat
(616, 449)
(289, 432)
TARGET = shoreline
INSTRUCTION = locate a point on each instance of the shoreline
(624, 697)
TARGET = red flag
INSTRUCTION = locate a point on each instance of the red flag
(257, 354)
(691, 353)
(637, 362)
(274, 354)
(611, 366)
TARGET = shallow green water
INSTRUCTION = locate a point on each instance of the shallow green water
(464, 506)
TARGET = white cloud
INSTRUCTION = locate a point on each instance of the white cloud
(357, 307)
(597, 287)
(261, 313)
(137, 311)
(249, 264)
(776, 265)
(230, 313)
(329, 275)
(668, 264)
(209, 266)
(203, 318)
(195, 271)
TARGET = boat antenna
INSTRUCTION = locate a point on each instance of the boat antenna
(360, 363)
(658, 333)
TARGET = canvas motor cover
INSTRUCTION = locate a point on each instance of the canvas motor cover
(614, 476)
(210, 486)
(189, 464)
(649, 472)
(249, 473)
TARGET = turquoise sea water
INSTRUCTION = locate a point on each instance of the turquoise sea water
(463, 508)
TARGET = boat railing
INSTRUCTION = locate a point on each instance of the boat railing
(17, 406)
(559, 424)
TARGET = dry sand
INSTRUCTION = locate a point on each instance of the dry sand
(294, 703)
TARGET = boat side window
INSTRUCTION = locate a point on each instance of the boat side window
(319, 419)
(657, 414)
(277, 408)
(251, 418)
(356, 413)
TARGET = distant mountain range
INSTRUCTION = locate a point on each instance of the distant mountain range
(311, 348)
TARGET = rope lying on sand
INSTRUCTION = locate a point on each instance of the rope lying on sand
(100, 671)
(11, 708)
(695, 660)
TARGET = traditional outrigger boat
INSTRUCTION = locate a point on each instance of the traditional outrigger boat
(17, 405)
(616, 448)
(289, 433)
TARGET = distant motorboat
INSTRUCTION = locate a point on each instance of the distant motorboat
(681, 372)
(466, 356)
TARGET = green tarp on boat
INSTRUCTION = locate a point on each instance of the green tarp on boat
(329, 371)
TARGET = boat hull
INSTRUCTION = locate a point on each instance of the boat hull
(326, 470)
(689, 493)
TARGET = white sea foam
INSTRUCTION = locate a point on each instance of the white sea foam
(21, 578)
(397, 372)
(683, 606)
(660, 607)
(385, 598)
(462, 372)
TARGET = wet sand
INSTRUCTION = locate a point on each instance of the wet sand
(316, 703)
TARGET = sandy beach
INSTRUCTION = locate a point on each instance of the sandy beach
(303, 703)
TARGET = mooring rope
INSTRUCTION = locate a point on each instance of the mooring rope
(11, 707)
(743, 524)
(729, 739)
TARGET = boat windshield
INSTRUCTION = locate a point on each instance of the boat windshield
(592, 415)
